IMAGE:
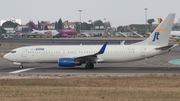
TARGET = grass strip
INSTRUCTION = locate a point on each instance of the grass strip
(139, 88)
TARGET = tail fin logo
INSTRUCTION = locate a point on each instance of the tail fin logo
(156, 36)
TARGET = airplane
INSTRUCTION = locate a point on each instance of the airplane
(55, 33)
(175, 35)
(43, 32)
(76, 55)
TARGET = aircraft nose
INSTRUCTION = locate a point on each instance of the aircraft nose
(6, 56)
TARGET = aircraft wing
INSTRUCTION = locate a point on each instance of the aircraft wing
(166, 47)
(88, 58)
(91, 57)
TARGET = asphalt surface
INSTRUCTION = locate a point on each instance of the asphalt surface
(62, 41)
(66, 41)
(157, 65)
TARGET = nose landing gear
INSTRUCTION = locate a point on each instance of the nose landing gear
(18, 63)
(21, 66)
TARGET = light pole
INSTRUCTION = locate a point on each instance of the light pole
(146, 18)
(104, 25)
(80, 20)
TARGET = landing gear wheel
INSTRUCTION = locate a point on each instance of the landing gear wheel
(89, 65)
(21, 66)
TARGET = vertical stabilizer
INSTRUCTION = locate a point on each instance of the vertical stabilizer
(161, 35)
(34, 26)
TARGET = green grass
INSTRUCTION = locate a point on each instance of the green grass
(138, 88)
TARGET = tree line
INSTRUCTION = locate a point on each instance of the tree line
(84, 25)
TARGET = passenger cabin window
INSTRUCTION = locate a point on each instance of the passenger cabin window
(13, 51)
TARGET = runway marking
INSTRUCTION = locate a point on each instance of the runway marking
(22, 70)
(174, 62)
(146, 63)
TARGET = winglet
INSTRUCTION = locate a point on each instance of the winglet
(101, 51)
(122, 43)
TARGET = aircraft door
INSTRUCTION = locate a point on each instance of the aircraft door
(143, 52)
(23, 52)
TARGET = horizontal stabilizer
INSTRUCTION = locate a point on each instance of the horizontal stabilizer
(166, 47)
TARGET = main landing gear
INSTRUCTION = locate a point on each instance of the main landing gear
(89, 65)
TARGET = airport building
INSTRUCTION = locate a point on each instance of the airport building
(12, 20)
(50, 25)
(71, 25)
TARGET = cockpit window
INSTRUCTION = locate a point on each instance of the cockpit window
(13, 51)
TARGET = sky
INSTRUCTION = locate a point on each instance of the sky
(117, 12)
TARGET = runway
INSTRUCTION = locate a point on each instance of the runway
(157, 65)
(66, 41)
(62, 41)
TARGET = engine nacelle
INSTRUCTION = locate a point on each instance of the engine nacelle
(68, 62)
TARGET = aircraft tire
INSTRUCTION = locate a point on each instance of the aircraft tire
(21, 66)
(89, 65)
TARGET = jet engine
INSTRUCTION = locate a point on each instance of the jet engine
(68, 62)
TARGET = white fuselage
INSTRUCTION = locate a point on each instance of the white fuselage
(112, 54)
(175, 34)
